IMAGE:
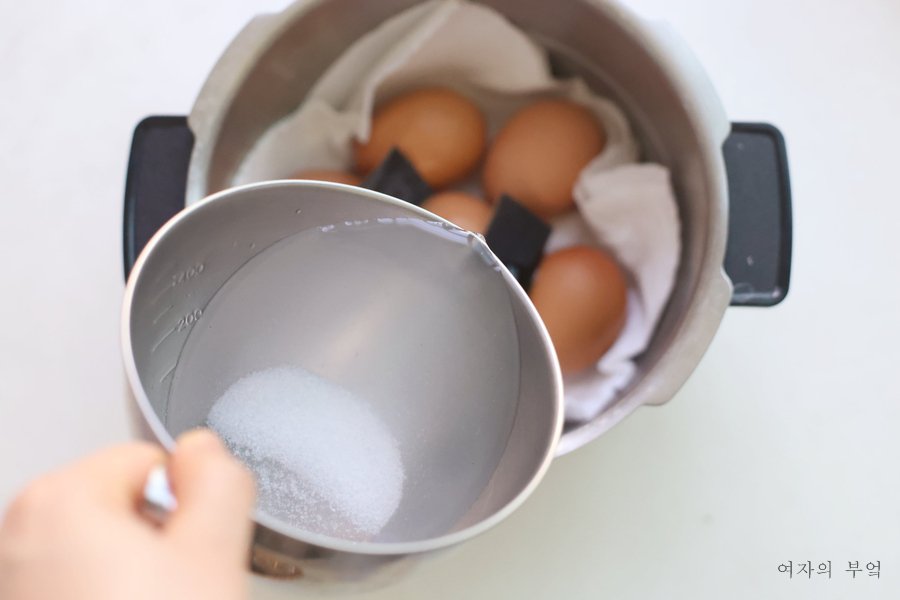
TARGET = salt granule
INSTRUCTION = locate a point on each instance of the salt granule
(322, 459)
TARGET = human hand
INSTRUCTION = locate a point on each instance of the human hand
(77, 534)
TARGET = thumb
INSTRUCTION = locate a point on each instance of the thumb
(215, 497)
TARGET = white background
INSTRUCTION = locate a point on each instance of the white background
(784, 445)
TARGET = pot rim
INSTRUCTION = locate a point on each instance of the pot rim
(713, 291)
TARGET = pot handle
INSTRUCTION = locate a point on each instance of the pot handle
(757, 259)
(157, 176)
(758, 256)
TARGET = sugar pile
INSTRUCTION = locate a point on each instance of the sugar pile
(323, 460)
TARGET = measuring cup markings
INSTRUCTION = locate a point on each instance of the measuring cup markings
(183, 276)
(162, 314)
(189, 319)
(180, 277)
(169, 372)
(186, 320)
(162, 339)
(183, 323)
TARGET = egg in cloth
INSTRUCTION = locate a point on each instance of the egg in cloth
(538, 154)
(580, 294)
(440, 131)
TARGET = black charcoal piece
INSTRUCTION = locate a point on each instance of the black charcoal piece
(517, 236)
(396, 177)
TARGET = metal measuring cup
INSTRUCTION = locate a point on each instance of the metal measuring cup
(190, 259)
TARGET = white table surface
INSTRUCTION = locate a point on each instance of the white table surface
(784, 445)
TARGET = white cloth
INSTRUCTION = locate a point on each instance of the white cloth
(628, 208)
(450, 43)
(631, 209)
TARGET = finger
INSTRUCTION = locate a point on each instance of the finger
(115, 476)
(215, 495)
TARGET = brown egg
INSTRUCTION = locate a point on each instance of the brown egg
(461, 209)
(441, 132)
(539, 153)
(328, 175)
(580, 294)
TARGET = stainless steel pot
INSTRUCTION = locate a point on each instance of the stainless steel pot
(731, 180)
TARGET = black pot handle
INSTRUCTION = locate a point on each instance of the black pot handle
(758, 257)
(157, 177)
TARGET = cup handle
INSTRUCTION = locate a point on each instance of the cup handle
(758, 255)
(158, 501)
(157, 177)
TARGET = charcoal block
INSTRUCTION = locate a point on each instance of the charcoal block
(397, 177)
(517, 236)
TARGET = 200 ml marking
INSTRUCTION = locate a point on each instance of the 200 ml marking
(183, 323)
(189, 319)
